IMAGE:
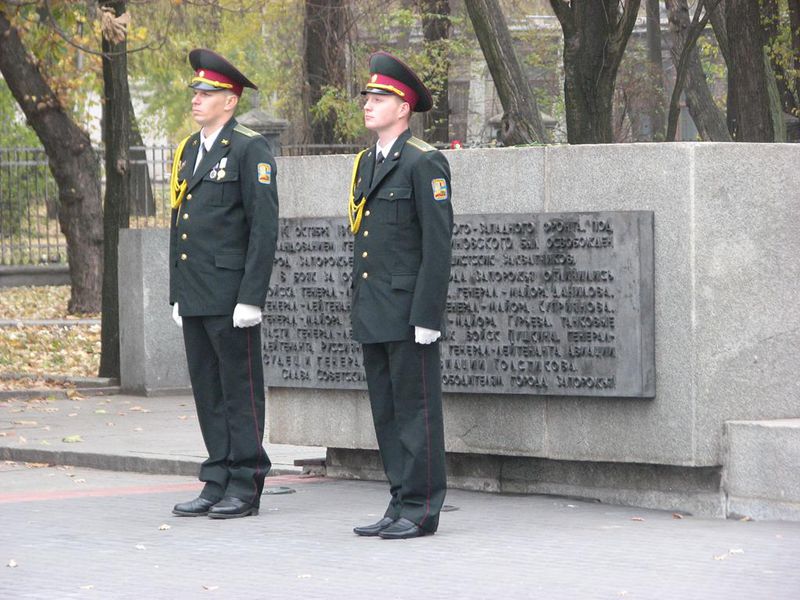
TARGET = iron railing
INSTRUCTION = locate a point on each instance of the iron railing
(29, 230)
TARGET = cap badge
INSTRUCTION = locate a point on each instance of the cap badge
(201, 73)
(374, 78)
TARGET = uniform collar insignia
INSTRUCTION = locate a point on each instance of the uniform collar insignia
(224, 142)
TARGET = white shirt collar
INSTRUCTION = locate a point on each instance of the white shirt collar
(385, 149)
(208, 141)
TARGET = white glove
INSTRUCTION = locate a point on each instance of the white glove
(176, 316)
(246, 315)
(426, 336)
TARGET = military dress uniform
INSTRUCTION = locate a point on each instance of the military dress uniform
(402, 217)
(223, 236)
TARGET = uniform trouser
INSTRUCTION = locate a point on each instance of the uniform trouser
(227, 378)
(405, 392)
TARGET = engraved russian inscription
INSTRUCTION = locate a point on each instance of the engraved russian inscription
(548, 303)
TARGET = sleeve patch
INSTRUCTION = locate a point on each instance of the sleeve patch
(264, 173)
(440, 192)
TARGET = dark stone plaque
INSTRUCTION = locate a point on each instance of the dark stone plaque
(548, 304)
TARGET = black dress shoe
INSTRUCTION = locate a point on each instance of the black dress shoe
(231, 507)
(403, 529)
(375, 528)
(194, 508)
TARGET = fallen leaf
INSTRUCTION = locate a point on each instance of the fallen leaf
(140, 547)
(45, 443)
(746, 519)
(100, 411)
(75, 395)
(182, 417)
(26, 423)
(677, 516)
(735, 551)
(637, 519)
(304, 576)
(12, 563)
(210, 588)
(72, 439)
(164, 527)
(72, 415)
(35, 465)
(721, 557)
(87, 587)
(79, 480)
(138, 429)
(23, 440)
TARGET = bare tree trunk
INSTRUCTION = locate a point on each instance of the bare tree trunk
(116, 210)
(707, 117)
(595, 36)
(436, 29)
(325, 31)
(72, 162)
(657, 117)
(747, 73)
(522, 122)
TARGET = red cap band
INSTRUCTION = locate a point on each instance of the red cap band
(218, 80)
(382, 82)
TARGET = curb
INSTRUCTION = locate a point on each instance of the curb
(30, 394)
(113, 462)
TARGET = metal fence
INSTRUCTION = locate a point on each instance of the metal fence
(29, 230)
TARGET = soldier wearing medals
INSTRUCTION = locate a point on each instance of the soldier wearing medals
(401, 217)
(223, 236)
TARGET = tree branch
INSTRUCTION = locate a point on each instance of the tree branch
(695, 30)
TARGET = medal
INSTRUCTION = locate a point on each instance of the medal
(221, 174)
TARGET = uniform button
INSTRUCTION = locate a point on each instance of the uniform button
(184, 257)
(184, 236)
(366, 233)
(366, 214)
(391, 194)
(364, 275)
(188, 196)
(364, 254)
(185, 216)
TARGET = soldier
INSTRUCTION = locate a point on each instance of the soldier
(223, 234)
(402, 219)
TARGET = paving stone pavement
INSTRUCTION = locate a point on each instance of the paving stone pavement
(81, 533)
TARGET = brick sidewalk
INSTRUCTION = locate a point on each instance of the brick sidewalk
(104, 540)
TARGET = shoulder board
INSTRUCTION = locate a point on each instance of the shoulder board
(419, 144)
(239, 128)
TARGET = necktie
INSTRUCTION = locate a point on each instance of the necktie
(199, 157)
(378, 162)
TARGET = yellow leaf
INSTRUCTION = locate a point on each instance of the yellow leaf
(72, 439)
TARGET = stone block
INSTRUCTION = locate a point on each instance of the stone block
(151, 345)
(761, 476)
(746, 283)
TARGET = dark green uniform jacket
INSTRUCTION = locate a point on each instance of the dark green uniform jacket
(224, 234)
(401, 264)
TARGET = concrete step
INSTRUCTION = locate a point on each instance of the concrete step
(761, 475)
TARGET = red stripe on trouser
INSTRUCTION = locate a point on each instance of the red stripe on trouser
(255, 416)
(427, 439)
